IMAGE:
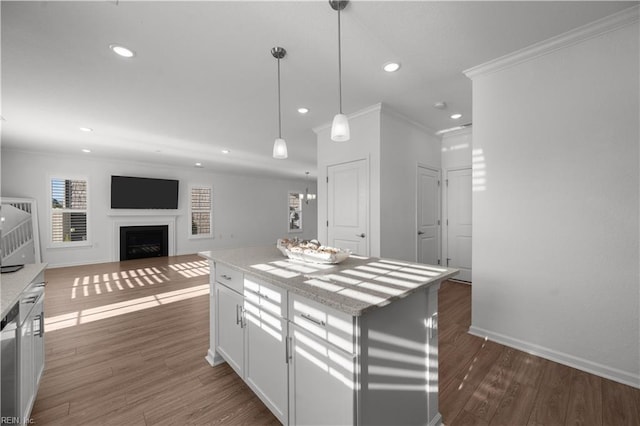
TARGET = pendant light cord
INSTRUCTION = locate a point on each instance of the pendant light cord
(339, 65)
(279, 109)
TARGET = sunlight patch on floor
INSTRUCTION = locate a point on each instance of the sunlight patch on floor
(111, 310)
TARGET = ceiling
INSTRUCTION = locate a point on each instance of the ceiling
(203, 78)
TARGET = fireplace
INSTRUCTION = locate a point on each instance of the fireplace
(137, 242)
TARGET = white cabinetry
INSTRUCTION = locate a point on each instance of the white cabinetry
(265, 310)
(322, 369)
(251, 335)
(321, 381)
(31, 345)
(331, 359)
(230, 323)
(26, 353)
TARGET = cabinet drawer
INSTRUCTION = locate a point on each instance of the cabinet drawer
(268, 298)
(230, 277)
(322, 321)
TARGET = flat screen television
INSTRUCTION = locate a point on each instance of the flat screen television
(129, 192)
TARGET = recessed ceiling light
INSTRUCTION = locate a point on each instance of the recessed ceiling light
(86, 129)
(391, 66)
(122, 51)
(303, 110)
(198, 164)
(86, 150)
(456, 116)
(225, 151)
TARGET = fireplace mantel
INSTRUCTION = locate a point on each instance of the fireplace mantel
(142, 212)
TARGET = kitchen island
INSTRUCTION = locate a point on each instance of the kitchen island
(352, 343)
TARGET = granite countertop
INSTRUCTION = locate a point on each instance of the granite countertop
(355, 286)
(14, 283)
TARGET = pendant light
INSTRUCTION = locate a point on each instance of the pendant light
(340, 126)
(307, 195)
(279, 146)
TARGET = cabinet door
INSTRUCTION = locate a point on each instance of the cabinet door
(38, 341)
(26, 389)
(229, 327)
(321, 380)
(266, 358)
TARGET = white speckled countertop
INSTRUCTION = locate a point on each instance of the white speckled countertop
(355, 286)
(14, 283)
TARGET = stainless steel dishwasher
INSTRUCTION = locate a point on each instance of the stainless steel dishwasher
(9, 400)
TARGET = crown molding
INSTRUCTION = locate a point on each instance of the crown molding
(466, 130)
(607, 24)
(367, 110)
(381, 108)
(395, 114)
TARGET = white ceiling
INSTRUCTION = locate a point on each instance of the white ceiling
(204, 80)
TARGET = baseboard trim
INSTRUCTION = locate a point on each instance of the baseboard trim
(560, 357)
(436, 421)
(213, 358)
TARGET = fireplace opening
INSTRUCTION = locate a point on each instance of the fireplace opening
(137, 242)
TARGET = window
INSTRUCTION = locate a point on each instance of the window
(295, 212)
(200, 206)
(68, 211)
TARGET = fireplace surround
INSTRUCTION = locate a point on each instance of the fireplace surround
(137, 242)
(130, 218)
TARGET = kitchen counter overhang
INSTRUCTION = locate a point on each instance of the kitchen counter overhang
(356, 286)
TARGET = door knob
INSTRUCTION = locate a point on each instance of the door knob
(420, 232)
(361, 235)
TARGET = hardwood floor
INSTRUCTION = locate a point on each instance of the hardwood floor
(484, 383)
(125, 345)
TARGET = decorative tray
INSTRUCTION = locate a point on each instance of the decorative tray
(311, 251)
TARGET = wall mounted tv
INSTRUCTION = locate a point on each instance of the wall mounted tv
(129, 192)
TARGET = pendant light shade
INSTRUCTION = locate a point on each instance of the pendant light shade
(280, 149)
(340, 126)
(279, 146)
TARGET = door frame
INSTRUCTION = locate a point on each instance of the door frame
(445, 208)
(417, 200)
(367, 171)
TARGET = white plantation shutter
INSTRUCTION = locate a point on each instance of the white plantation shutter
(200, 206)
(68, 210)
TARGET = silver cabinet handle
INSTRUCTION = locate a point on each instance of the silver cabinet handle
(420, 232)
(286, 350)
(40, 319)
(31, 299)
(243, 317)
(42, 284)
(433, 325)
(226, 277)
(312, 319)
(238, 314)
(361, 235)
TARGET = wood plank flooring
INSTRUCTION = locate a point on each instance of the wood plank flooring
(125, 345)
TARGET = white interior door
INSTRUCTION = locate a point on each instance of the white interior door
(348, 206)
(428, 216)
(459, 222)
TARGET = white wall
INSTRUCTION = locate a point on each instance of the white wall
(456, 149)
(364, 144)
(404, 146)
(393, 146)
(556, 227)
(248, 210)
